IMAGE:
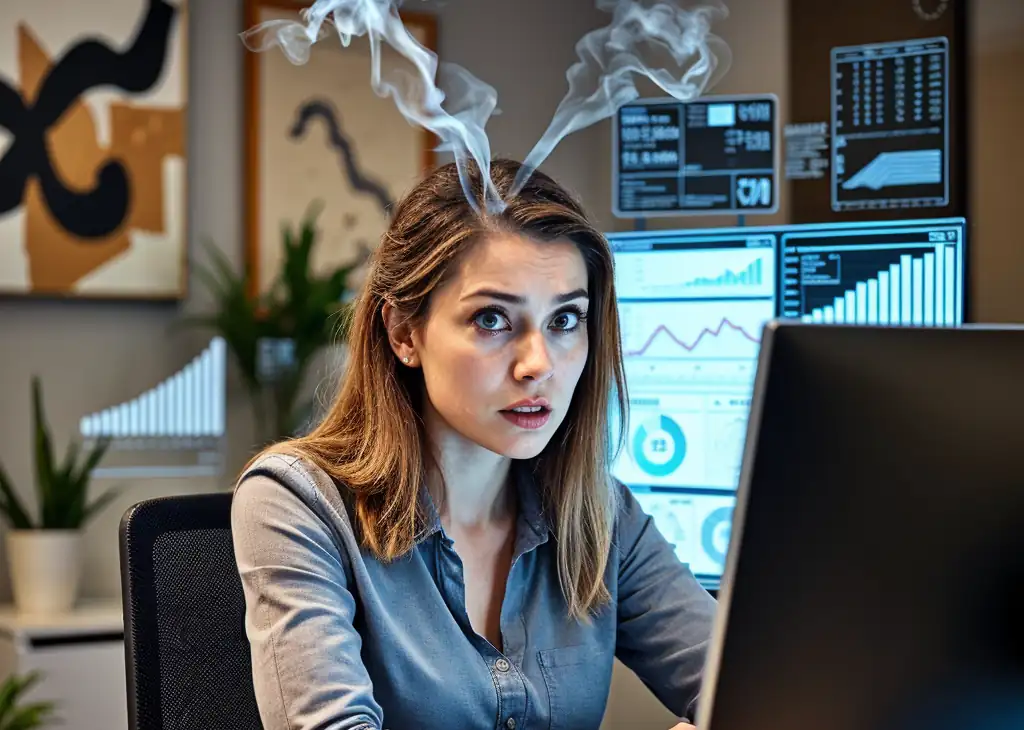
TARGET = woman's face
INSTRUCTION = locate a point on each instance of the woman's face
(505, 341)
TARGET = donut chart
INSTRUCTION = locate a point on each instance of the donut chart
(659, 446)
(714, 533)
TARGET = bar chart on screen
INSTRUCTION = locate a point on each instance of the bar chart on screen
(914, 291)
(176, 429)
(901, 277)
(746, 270)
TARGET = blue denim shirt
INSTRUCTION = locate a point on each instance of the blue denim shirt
(341, 641)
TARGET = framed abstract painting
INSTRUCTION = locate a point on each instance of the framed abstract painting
(318, 135)
(93, 100)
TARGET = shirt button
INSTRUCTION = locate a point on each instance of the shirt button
(502, 665)
(510, 723)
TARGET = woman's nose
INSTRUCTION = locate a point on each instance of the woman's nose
(534, 361)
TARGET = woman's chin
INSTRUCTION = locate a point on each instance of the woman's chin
(521, 446)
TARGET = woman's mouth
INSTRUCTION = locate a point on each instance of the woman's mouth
(529, 417)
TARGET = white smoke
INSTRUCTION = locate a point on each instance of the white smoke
(659, 39)
(471, 102)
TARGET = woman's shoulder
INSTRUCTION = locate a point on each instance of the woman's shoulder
(284, 476)
(289, 468)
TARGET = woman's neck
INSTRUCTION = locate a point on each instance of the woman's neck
(475, 490)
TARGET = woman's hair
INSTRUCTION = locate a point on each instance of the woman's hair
(372, 439)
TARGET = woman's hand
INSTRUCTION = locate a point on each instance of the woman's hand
(684, 726)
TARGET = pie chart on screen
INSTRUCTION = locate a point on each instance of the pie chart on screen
(659, 446)
(715, 533)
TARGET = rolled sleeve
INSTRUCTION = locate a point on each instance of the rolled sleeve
(665, 617)
(307, 667)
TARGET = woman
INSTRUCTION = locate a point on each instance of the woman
(447, 549)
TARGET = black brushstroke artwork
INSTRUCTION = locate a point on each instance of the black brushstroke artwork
(87, 65)
(314, 109)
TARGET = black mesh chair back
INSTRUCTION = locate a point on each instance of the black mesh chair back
(187, 656)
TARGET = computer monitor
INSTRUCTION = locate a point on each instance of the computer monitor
(693, 304)
(875, 579)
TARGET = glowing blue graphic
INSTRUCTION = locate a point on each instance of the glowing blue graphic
(691, 311)
(890, 124)
(715, 533)
(189, 404)
(916, 291)
(751, 275)
(692, 304)
(179, 423)
(660, 449)
(698, 526)
(889, 275)
(891, 169)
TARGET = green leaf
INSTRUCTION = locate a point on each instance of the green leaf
(9, 692)
(73, 513)
(14, 716)
(30, 717)
(44, 452)
(99, 449)
(11, 505)
(99, 503)
(237, 315)
(70, 461)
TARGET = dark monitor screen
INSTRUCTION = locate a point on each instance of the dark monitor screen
(692, 305)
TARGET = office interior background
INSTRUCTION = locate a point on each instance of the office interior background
(94, 353)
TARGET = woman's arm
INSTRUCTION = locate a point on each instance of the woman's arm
(307, 668)
(664, 616)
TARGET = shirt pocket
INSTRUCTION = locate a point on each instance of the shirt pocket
(578, 679)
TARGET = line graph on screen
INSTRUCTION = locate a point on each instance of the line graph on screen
(691, 330)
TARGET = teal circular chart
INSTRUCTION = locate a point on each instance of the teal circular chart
(659, 446)
(715, 533)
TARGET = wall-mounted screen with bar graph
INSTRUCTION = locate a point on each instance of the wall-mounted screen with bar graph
(908, 273)
(692, 308)
(178, 421)
(692, 305)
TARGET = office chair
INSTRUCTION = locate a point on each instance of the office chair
(186, 653)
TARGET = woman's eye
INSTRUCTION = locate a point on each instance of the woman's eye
(566, 321)
(491, 321)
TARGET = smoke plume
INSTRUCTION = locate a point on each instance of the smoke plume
(470, 102)
(659, 39)
(665, 42)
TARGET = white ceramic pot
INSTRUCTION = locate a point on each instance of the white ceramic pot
(45, 567)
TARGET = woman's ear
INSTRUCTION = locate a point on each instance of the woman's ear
(400, 334)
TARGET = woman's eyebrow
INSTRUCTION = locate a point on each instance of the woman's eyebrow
(517, 299)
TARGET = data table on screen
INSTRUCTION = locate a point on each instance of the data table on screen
(714, 154)
(890, 116)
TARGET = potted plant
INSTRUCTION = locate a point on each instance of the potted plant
(275, 336)
(15, 713)
(44, 553)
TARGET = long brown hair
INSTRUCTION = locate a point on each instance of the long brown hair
(372, 438)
